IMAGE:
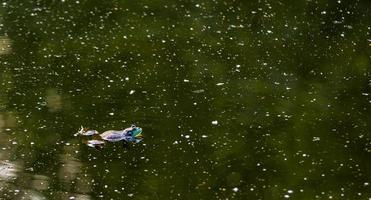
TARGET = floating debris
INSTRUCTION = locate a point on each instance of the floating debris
(315, 139)
(198, 91)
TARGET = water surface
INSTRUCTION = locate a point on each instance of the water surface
(237, 99)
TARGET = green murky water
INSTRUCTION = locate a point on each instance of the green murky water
(237, 99)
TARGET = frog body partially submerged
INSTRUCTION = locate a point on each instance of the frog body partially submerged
(132, 134)
(86, 132)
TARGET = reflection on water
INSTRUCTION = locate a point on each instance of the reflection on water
(71, 175)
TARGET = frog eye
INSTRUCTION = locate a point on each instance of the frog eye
(133, 126)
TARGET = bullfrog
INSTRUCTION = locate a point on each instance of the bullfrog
(132, 134)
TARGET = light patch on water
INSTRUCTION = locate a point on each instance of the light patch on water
(5, 45)
(40, 182)
(53, 100)
(32, 195)
(198, 91)
(2, 122)
(8, 170)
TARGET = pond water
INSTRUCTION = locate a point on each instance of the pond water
(237, 99)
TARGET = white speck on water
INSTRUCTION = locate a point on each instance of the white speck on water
(185, 80)
(366, 184)
(290, 191)
(131, 92)
(286, 196)
(126, 78)
(214, 122)
(111, 113)
(316, 139)
(72, 197)
(204, 136)
(219, 84)
(235, 189)
(175, 142)
(187, 136)
(130, 195)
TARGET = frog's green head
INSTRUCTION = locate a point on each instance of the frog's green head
(137, 133)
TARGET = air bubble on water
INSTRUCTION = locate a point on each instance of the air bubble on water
(215, 122)
(131, 92)
(235, 189)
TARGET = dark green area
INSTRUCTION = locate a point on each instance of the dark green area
(288, 82)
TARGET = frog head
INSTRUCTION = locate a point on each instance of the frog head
(137, 132)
